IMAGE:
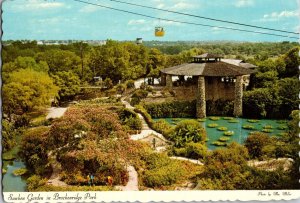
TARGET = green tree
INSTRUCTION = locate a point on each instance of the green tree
(69, 84)
(255, 144)
(26, 89)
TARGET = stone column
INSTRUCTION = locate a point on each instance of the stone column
(163, 79)
(200, 98)
(169, 81)
(238, 97)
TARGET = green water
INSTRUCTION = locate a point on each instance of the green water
(240, 134)
(10, 182)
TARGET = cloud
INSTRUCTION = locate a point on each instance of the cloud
(38, 5)
(275, 16)
(136, 22)
(244, 3)
(89, 9)
(182, 5)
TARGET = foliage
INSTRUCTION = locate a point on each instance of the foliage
(219, 107)
(162, 126)
(255, 143)
(20, 171)
(34, 182)
(130, 84)
(187, 131)
(33, 150)
(8, 135)
(21, 94)
(69, 84)
(175, 109)
(196, 150)
(162, 171)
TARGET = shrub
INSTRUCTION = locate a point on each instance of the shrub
(130, 84)
(34, 182)
(196, 150)
(162, 171)
(186, 131)
(162, 126)
(175, 109)
(255, 143)
(212, 125)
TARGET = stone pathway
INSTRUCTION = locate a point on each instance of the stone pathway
(132, 184)
(195, 161)
(56, 167)
(56, 112)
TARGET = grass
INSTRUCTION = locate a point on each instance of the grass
(222, 128)
(212, 125)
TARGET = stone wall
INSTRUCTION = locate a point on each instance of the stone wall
(216, 89)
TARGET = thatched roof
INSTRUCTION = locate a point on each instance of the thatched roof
(216, 68)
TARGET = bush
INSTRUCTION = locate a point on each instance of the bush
(130, 84)
(255, 143)
(162, 171)
(175, 109)
(196, 150)
(187, 131)
(219, 107)
(162, 126)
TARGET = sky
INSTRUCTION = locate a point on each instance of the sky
(71, 20)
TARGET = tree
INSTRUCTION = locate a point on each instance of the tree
(26, 89)
(292, 61)
(69, 84)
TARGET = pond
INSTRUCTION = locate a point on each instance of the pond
(276, 128)
(10, 182)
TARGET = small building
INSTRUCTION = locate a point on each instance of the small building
(215, 78)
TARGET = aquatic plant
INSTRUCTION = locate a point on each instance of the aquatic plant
(222, 128)
(224, 139)
(265, 130)
(228, 133)
(253, 121)
(201, 119)
(248, 127)
(214, 118)
(20, 171)
(234, 121)
(268, 127)
(282, 127)
(212, 125)
(218, 143)
(228, 118)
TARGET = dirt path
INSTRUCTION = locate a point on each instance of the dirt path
(132, 184)
(56, 167)
(56, 112)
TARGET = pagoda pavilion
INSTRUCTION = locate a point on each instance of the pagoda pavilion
(216, 78)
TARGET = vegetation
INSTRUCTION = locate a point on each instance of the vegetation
(212, 125)
(20, 171)
(222, 128)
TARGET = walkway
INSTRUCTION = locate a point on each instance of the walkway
(56, 112)
(56, 167)
(132, 184)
